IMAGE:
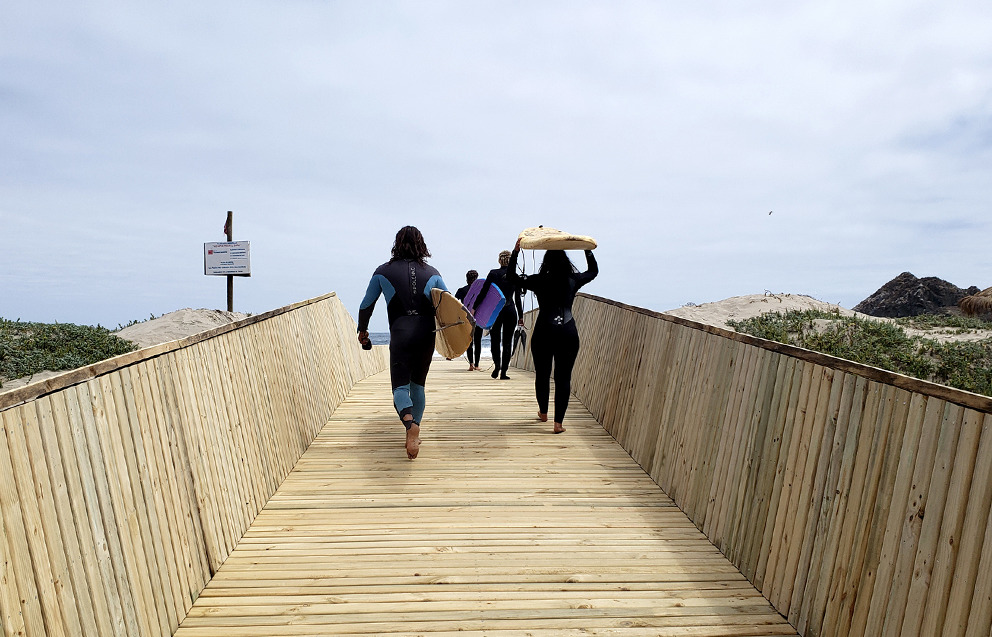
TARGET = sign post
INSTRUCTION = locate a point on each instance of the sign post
(230, 259)
(229, 229)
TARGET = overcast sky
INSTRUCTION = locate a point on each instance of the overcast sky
(668, 131)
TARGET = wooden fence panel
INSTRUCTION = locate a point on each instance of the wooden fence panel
(857, 500)
(126, 484)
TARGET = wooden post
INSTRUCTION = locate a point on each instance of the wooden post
(229, 228)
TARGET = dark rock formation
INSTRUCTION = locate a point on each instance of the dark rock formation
(907, 295)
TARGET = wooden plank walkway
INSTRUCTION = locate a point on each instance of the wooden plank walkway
(498, 528)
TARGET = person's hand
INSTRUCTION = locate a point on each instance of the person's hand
(363, 337)
(520, 322)
(516, 246)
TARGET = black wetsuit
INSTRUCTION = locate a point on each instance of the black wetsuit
(555, 338)
(501, 333)
(407, 286)
(475, 347)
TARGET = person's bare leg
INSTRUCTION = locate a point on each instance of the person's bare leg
(412, 438)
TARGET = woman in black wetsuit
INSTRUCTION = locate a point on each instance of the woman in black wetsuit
(555, 339)
(406, 281)
(501, 333)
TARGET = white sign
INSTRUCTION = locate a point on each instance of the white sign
(227, 258)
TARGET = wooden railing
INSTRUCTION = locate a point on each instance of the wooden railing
(856, 500)
(126, 484)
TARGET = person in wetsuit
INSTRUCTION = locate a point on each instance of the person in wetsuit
(555, 339)
(406, 282)
(475, 347)
(501, 333)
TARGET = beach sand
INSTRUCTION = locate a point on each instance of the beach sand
(738, 308)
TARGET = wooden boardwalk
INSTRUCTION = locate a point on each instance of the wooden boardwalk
(499, 528)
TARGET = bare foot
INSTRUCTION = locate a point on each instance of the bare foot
(542, 417)
(413, 441)
(558, 428)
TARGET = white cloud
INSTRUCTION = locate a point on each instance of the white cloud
(668, 132)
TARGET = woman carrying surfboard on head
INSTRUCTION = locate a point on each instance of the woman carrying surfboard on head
(406, 281)
(555, 340)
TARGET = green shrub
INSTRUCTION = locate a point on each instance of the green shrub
(28, 348)
(963, 365)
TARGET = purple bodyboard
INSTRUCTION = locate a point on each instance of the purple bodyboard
(489, 307)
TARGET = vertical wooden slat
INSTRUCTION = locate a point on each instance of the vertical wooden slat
(752, 424)
(80, 406)
(215, 451)
(979, 502)
(188, 474)
(980, 617)
(936, 497)
(11, 619)
(660, 406)
(723, 439)
(779, 550)
(826, 530)
(950, 530)
(16, 532)
(47, 575)
(205, 484)
(912, 519)
(714, 411)
(80, 617)
(138, 439)
(768, 551)
(767, 459)
(124, 490)
(814, 490)
(162, 508)
(77, 496)
(882, 461)
(182, 535)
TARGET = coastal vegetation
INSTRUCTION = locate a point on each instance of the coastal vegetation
(963, 364)
(28, 348)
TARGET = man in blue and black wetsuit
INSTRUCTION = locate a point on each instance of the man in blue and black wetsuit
(406, 282)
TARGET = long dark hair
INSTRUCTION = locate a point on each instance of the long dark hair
(409, 244)
(556, 264)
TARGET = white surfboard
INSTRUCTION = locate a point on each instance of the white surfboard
(542, 238)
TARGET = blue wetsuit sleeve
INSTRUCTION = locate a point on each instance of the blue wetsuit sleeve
(368, 303)
(434, 282)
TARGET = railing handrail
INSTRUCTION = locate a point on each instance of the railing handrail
(72, 377)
